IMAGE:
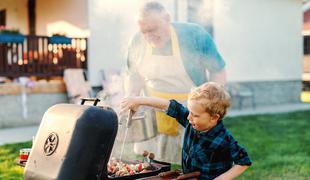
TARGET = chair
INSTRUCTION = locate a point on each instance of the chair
(112, 81)
(113, 90)
(241, 92)
(77, 85)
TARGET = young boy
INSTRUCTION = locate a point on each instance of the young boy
(207, 146)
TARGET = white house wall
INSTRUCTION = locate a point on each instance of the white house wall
(260, 39)
(16, 14)
(69, 17)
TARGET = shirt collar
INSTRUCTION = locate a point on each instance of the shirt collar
(213, 131)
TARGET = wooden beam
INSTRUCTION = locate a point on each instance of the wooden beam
(32, 17)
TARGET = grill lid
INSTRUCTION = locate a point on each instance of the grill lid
(73, 142)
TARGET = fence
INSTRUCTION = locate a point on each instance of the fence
(41, 56)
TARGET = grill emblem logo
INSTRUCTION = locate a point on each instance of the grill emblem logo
(51, 144)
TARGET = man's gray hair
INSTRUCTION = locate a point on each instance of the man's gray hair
(152, 6)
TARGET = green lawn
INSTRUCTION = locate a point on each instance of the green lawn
(278, 144)
(8, 155)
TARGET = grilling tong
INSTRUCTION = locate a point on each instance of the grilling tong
(129, 119)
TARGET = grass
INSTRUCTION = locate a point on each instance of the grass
(8, 154)
(278, 144)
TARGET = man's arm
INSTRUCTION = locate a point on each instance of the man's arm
(232, 173)
(212, 60)
(219, 77)
(133, 82)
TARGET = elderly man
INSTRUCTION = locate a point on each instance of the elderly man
(165, 60)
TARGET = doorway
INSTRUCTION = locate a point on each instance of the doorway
(305, 95)
(3, 17)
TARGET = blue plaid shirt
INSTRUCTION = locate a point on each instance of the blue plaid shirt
(212, 152)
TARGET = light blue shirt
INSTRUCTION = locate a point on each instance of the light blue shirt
(197, 48)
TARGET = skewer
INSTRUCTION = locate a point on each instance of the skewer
(151, 157)
(145, 154)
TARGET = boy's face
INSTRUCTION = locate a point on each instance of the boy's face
(199, 118)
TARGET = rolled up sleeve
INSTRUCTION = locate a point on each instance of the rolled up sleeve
(178, 111)
(240, 155)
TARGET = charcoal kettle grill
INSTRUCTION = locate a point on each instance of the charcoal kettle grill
(75, 142)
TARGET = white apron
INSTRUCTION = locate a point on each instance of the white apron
(165, 77)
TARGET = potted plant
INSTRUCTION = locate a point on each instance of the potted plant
(59, 39)
(10, 35)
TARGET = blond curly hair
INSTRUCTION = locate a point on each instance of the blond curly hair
(212, 97)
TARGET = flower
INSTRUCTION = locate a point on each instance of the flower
(59, 34)
(5, 30)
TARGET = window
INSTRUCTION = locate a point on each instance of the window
(306, 44)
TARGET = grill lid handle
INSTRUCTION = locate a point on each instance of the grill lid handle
(96, 100)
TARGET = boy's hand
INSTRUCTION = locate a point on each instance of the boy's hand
(130, 103)
(189, 175)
